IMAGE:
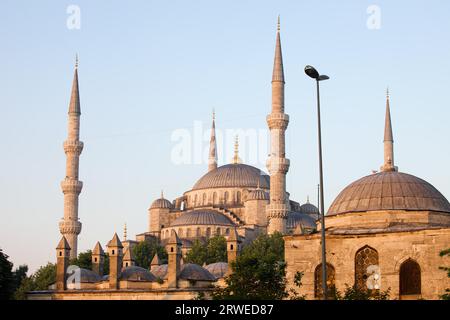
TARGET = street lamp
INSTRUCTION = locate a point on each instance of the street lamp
(313, 73)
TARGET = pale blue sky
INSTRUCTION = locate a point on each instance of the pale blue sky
(148, 68)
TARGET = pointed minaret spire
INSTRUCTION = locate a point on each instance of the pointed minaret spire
(388, 140)
(236, 158)
(125, 232)
(278, 72)
(277, 164)
(70, 225)
(212, 160)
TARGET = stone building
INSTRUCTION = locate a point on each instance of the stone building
(383, 231)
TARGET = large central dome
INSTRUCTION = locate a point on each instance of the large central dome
(234, 175)
(389, 191)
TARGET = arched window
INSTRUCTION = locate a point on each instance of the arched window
(195, 200)
(204, 199)
(225, 197)
(180, 232)
(214, 199)
(410, 279)
(227, 231)
(198, 233)
(218, 232)
(188, 233)
(331, 275)
(365, 260)
(238, 197)
(208, 232)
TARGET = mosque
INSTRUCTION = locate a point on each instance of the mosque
(392, 225)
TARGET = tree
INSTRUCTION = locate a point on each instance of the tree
(214, 250)
(84, 260)
(6, 277)
(353, 293)
(443, 253)
(40, 280)
(258, 273)
(144, 251)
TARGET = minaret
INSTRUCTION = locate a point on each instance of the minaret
(388, 140)
(69, 226)
(212, 160)
(277, 164)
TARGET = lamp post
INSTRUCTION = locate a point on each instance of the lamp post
(313, 73)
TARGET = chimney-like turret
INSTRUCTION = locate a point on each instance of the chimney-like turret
(173, 249)
(115, 261)
(62, 262)
(98, 259)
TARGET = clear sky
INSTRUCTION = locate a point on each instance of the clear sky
(149, 69)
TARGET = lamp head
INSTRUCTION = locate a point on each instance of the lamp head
(311, 72)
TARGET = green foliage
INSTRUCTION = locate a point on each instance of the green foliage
(40, 280)
(214, 250)
(443, 253)
(6, 277)
(294, 295)
(353, 293)
(84, 260)
(259, 272)
(144, 252)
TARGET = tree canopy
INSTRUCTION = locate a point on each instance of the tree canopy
(40, 280)
(259, 272)
(214, 250)
(144, 251)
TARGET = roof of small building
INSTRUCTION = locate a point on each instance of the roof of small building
(191, 271)
(159, 271)
(389, 190)
(98, 249)
(202, 217)
(217, 269)
(63, 244)
(115, 242)
(83, 276)
(233, 175)
(135, 273)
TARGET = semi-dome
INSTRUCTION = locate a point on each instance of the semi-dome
(191, 271)
(161, 203)
(390, 190)
(233, 175)
(135, 273)
(217, 269)
(258, 194)
(202, 217)
(298, 218)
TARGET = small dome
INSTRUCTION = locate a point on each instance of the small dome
(233, 175)
(161, 203)
(258, 194)
(299, 218)
(309, 208)
(190, 271)
(202, 217)
(389, 191)
(159, 271)
(86, 276)
(217, 269)
(134, 273)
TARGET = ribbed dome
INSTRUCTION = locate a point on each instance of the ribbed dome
(190, 271)
(217, 269)
(258, 194)
(134, 273)
(309, 208)
(389, 191)
(161, 203)
(234, 175)
(298, 218)
(202, 217)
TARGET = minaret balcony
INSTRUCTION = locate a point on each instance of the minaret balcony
(277, 210)
(71, 186)
(277, 165)
(73, 146)
(277, 121)
(69, 227)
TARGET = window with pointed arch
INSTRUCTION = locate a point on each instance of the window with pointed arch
(214, 199)
(331, 276)
(198, 232)
(204, 199)
(238, 197)
(364, 258)
(188, 233)
(218, 231)
(410, 278)
(208, 232)
(225, 197)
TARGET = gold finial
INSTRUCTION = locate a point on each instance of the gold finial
(76, 61)
(236, 159)
(278, 24)
(125, 232)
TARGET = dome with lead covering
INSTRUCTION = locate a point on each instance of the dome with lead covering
(191, 271)
(234, 175)
(258, 194)
(217, 269)
(134, 273)
(298, 218)
(161, 203)
(202, 217)
(389, 190)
